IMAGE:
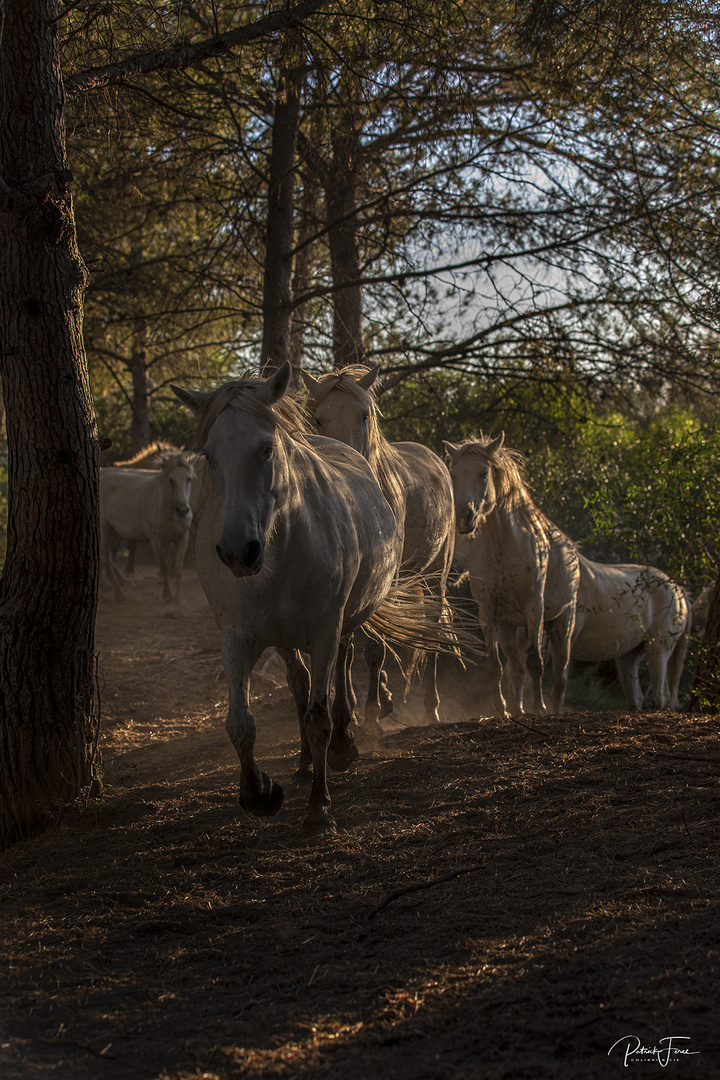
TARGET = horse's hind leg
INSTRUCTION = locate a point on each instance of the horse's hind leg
(109, 540)
(379, 698)
(259, 794)
(342, 752)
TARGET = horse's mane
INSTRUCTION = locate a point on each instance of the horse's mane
(154, 452)
(285, 414)
(511, 491)
(383, 458)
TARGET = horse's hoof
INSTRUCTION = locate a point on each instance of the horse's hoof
(302, 779)
(386, 704)
(266, 802)
(317, 824)
(343, 755)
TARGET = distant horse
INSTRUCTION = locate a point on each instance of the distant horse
(144, 504)
(297, 547)
(626, 611)
(523, 570)
(415, 482)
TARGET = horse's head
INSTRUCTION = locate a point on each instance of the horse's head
(242, 443)
(342, 405)
(178, 473)
(471, 471)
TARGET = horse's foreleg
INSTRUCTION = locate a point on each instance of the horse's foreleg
(318, 730)
(513, 643)
(159, 552)
(494, 670)
(180, 549)
(109, 540)
(675, 670)
(259, 794)
(628, 669)
(298, 678)
(342, 752)
(534, 659)
(658, 656)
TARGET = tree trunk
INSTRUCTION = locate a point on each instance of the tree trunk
(705, 695)
(277, 287)
(301, 279)
(341, 196)
(48, 590)
(141, 391)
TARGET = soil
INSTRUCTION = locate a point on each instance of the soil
(500, 900)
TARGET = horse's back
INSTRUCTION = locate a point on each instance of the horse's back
(620, 606)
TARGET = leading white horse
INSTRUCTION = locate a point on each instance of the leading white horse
(296, 548)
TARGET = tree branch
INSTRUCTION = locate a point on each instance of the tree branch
(178, 59)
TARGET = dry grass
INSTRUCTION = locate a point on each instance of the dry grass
(161, 933)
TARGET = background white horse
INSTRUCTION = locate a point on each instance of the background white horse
(144, 504)
(625, 612)
(523, 571)
(297, 547)
(417, 485)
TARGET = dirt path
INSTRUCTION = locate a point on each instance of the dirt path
(561, 893)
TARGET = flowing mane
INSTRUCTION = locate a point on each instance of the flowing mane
(286, 414)
(150, 457)
(384, 460)
(511, 491)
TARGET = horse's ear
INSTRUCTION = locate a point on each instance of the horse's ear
(368, 381)
(313, 385)
(452, 450)
(194, 399)
(275, 385)
(495, 444)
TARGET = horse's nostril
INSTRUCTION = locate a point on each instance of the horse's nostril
(252, 553)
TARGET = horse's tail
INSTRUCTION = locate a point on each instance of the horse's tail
(421, 621)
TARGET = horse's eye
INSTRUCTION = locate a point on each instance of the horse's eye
(267, 452)
(366, 417)
(318, 423)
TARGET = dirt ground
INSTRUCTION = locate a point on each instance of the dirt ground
(501, 900)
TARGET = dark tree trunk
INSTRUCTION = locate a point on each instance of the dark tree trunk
(141, 391)
(48, 590)
(341, 198)
(277, 286)
(706, 687)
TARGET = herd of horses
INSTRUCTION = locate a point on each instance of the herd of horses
(312, 525)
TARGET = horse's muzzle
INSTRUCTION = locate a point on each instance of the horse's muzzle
(247, 564)
(466, 522)
(182, 511)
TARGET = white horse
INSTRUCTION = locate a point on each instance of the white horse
(523, 571)
(417, 485)
(296, 548)
(144, 504)
(626, 611)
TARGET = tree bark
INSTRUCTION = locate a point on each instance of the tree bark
(301, 278)
(277, 285)
(341, 199)
(705, 697)
(48, 590)
(141, 391)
